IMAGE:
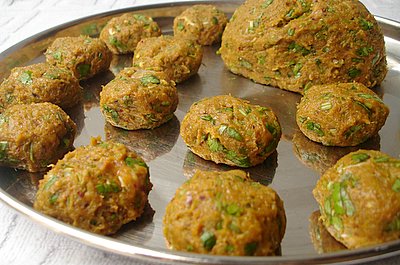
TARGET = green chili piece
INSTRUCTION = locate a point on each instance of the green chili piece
(359, 157)
(347, 203)
(381, 159)
(209, 240)
(50, 182)
(149, 79)
(26, 77)
(326, 105)
(245, 111)
(396, 185)
(337, 223)
(83, 69)
(337, 199)
(207, 118)
(364, 106)
(53, 198)
(369, 96)
(250, 248)
(353, 129)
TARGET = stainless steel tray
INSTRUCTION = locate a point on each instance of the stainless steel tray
(290, 174)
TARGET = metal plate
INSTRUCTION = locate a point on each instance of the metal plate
(171, 163)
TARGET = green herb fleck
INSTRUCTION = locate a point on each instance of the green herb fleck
(364, 106)
(107, 188)
(312, 126)
(353, 72)
(246, 64)
(250, 248)
(360, 157)
(381, 159)
(26, 77)
(231, 132)
(237, 160)
(132, 162)
(364, 51)
(396, 185)
(207, 117)
(229, 248)
(365, 24)
(214, 20)
(290, 13)
(116, 43)
(291, 31)
(208, 239)
(214, 145)
(394, 225)
(294, 47)
(111, 112)
(83, 69)
(57, 55)
(233, 209)
(180, 26)
(353, 129)
(149, 79)
(296, 69)
(368, 96)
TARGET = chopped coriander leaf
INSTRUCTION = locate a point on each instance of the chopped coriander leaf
(116, 43)
(180, 26)
(26, 77)
(107, 188)
(214, 145)
(149, 79)
(396, 185)
(353, 72)
(131, 162)
(231, 132)
(365, 24)
(233, 209)
(114, 115)
(214, 20)
(237, 160)
(208, 239)
(364, 51)
(83, 69)
(360, 157)
(312, 126)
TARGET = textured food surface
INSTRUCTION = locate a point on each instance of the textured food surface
(98, 187)
(225, 213)
(359, 199)
(295, 44)
(230, 130)
(32, 136)
(83, 55)
(343, 114)
(122, 34)
(201, 23)
(179, 58)
(139, 99)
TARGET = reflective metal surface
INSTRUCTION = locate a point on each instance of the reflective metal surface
(292, 171)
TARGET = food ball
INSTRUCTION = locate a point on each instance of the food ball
(228, 130)
(98, 187)
(225, 213)
(295, 44)
(83, 55)
(139, 99)
(40, 82)
(178, 58)
(201, 23)
(32, 136)
(359, 199)
(122, 34)
(343, 114)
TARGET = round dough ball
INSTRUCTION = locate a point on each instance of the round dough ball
(359, 199)
(178, 58)
(225, 213)
(201, 23)
(295, 44)
(122, 34)
(83, 55)
(139, 99)
(32, 136)
(40, 82)
(228, 130)
(98, 187)
(343, 114)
